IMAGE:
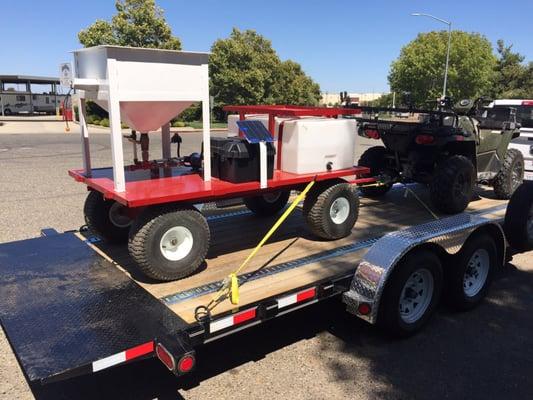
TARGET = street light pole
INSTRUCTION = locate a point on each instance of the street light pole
(447, 49)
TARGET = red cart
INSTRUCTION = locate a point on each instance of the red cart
(168, 236)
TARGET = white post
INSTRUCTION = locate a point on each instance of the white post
(116, 130)
(206, 127)
(86, 154)
(263, 164)
(165, 141)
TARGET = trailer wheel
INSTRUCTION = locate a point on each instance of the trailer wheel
(107, 218)
(518, 224)
(471, 272)
(268, 204)
(169, 242)
(331, 211)
(412, 295)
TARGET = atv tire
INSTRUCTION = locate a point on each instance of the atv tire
(268, 204)
(511, 175)
(374, 158)
(452, 184)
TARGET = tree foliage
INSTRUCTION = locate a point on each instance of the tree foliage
(245, 69)
(513, 79)
(138, 23)
(421, 65)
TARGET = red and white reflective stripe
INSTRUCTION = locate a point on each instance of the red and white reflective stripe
(296, 297)
(123, 356)
(234, 319)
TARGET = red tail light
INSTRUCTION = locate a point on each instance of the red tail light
(186, 363)
(372, 134)
(424, 139)
(165, 357)
(364, 309)
(527, 103)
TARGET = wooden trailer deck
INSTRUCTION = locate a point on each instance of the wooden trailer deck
(235, 232)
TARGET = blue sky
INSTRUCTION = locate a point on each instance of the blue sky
(343, 45)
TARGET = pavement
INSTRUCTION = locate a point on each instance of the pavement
(318, 352)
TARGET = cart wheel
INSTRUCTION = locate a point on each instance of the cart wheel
(107, 218)
(269, 203)
(412, 295)
(518, 224)
(169, 242)
(331, 211)
(471, 272)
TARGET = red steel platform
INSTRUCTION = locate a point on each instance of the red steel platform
(180, 184)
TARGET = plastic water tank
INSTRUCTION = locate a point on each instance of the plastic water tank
(310, 145)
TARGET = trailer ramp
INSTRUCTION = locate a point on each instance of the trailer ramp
(67, 311)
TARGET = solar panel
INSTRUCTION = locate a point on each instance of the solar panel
(255, 131)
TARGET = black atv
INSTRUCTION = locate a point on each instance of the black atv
(450, 149)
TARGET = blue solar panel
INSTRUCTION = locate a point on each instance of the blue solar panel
(255, 131)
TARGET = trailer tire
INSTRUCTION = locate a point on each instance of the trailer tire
(510, 176)
(471, 272)
(106, 218)
(331, 210)
(453, 184)
(518, 225)
(418, 274)
(374, 158)
(268, 204)
(169, 242)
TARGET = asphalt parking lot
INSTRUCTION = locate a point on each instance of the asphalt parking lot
(312, 354)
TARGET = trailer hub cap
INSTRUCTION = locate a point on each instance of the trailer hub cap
(118, 216)
(476, 272)
(339, 210)
(176, 243)
(416, 295)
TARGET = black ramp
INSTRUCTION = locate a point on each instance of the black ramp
(63, 306)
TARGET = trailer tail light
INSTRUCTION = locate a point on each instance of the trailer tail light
(166, 358)
(372, 134)
(424, 139)
(527, 103)
(186, 363)
(299, 297)
(234, 319)
(364, 309)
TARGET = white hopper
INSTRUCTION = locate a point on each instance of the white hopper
(145, 88)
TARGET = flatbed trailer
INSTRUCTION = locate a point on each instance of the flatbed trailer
(71, 304)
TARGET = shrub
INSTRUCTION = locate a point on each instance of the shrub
(178, 124)
(104, 122)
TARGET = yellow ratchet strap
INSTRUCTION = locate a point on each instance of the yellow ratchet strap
(231, 283)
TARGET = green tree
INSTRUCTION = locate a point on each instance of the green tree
(513, 79)
(420, 67)
(245, 69)
(138, 23)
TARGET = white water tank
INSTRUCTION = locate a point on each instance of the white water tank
(310, 144)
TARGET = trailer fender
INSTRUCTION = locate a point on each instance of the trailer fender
(445, 236)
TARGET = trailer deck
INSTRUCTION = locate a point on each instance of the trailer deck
(74, 304)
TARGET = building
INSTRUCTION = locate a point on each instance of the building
(21, 94)
(334, 98)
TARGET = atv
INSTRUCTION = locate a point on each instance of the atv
(449, 149)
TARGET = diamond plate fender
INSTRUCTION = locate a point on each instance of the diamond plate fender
(376, 267)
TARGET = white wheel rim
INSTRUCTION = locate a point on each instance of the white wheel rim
(416, 295)
(176, 243)
(476, 272)
(271, 197)
(339, 210)
(118, 217)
